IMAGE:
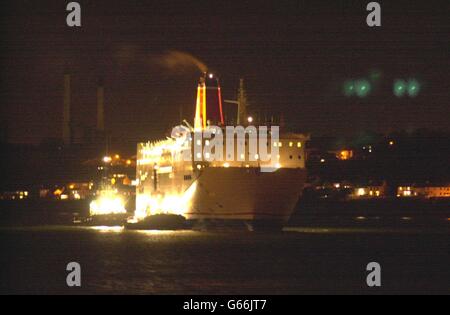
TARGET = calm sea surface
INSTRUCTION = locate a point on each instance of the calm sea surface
(296, 261)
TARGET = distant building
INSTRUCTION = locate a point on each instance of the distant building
(371, 191)
(343, 155)
(71, 191)
(13, 195)
(424, 191)
(406, 191)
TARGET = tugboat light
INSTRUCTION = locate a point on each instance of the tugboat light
(107, 203)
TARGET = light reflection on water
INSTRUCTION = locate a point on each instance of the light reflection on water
(117, 260)
(356, 229)
(106, 229)
(165, 232)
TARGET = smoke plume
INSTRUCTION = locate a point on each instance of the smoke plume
(178, 61)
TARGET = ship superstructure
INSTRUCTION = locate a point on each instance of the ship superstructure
(179, 176)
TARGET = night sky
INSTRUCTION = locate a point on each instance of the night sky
(294, 56)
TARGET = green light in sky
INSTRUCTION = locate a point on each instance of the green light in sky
(413, 88)
(349, 88)
(375, 75)
(363, 88)
(400, 88)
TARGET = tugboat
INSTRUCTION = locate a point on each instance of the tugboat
(107, 209)
(159, 222)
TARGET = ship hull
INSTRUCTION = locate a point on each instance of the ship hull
(246, 197)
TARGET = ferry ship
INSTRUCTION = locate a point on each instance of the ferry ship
(175, 177)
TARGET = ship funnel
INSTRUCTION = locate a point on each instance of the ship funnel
(208, 109)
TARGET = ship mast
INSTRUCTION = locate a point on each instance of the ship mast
(242, 104)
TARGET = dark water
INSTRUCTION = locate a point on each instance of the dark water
(297, 261)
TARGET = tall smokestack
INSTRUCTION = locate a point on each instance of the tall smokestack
(242, 104)
(66, 110)
(100, 106)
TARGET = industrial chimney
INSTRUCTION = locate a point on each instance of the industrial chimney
(100, 106)
(66, 110)
(242, 104)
